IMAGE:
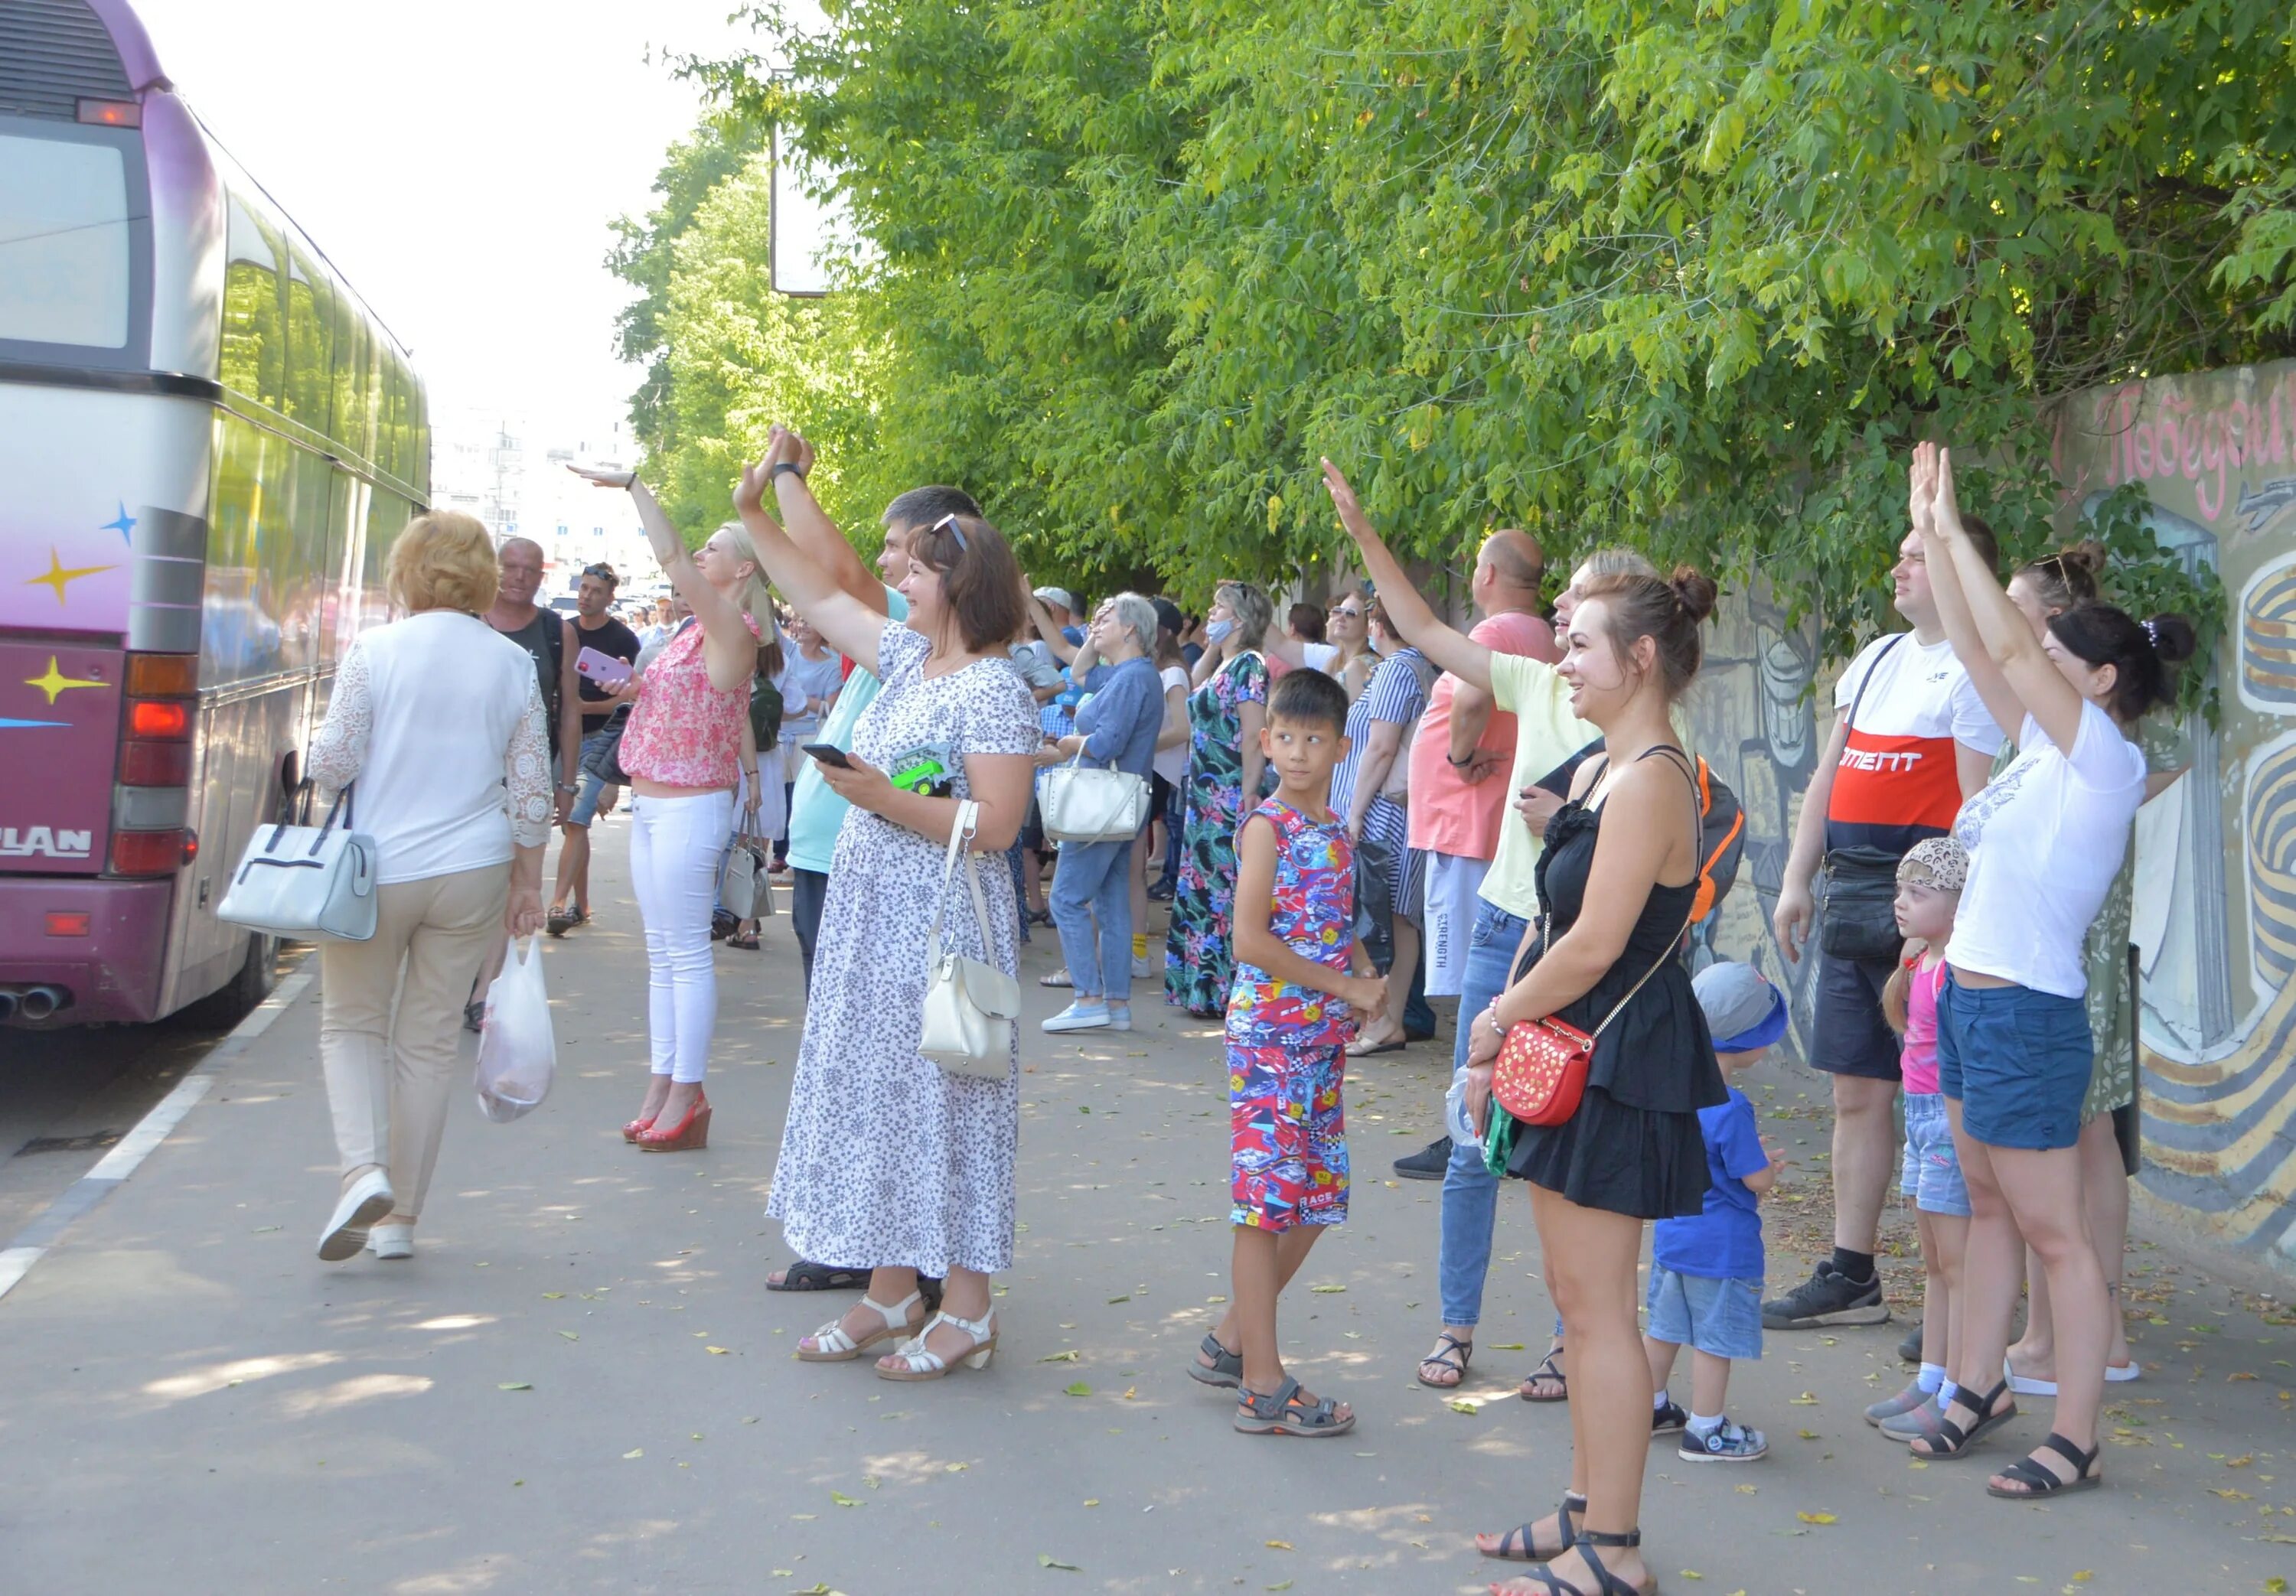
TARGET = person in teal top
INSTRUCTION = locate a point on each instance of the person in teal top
(816, 813)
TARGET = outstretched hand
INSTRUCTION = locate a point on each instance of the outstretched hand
(1922, 495)
(597, 478)
(1947, 504)
(1344, 501)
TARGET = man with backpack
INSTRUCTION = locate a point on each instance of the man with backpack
(1912, 742)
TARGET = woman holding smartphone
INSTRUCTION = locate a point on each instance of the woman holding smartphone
(682, 751)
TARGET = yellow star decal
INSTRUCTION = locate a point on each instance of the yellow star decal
(60, 576)
(55, 682)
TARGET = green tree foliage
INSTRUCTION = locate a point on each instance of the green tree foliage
(1685, 273)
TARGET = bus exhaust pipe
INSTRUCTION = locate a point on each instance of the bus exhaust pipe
(37, 1003)
(7, 1005)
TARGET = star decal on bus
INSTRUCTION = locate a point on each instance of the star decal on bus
(61, 576)
(7, 725)
(124, 525)
(55, 683)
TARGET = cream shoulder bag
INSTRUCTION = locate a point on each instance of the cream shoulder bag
(1081, 803)
(970, 1008)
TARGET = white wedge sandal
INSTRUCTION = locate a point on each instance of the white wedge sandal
(832, 1345)
(917, 1362)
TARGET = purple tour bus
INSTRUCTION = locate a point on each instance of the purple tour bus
(207, 445)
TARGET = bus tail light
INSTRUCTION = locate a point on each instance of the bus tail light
(145, 764)
(112, 113)
(167, 718)
(151, 853)
(162, 675)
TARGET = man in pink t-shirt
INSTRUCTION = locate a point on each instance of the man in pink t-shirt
(1465, 750)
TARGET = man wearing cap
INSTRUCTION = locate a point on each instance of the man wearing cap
(1059, 604)
(1911, 741)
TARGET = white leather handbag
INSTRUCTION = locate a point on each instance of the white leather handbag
(970, 1008)
(1082, 803)
(310, 883)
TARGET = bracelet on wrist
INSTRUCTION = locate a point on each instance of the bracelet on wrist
(791, 466)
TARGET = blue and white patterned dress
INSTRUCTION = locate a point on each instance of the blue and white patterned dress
(1397, 693)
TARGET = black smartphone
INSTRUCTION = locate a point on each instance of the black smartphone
(828, 753)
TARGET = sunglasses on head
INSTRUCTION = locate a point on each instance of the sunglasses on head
(956, 531)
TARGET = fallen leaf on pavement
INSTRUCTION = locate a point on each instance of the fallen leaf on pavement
(1046, 1559)
(1070, 1356)
(634, 1452)
(1279, 1546)
(1078, 1389)
(1465, 1405)
(515, 1384)
(717, 1351)
(1815, 1518)
(842, 1499)
(570, 1335)
(1806, 1400)
(1327, 1290)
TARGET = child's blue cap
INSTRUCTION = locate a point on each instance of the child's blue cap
(1742, 1009)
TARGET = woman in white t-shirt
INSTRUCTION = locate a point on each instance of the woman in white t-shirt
(2014, 1052)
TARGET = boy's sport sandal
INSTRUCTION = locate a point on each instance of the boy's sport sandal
(1286, 1412)
(1515, 1546)
(1953, 1440)
(1450, 1353)
(1554, 1584)
(1225, 1368)
(2039, 1482)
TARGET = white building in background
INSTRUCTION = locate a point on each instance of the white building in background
(496, 464)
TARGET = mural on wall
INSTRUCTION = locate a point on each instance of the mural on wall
(2215, 888)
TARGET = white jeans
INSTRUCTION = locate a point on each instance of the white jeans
(675, 847)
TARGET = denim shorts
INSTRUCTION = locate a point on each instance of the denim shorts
(1722, 1319)
(592, 788)
(2018, 1061)
(1931, 1177)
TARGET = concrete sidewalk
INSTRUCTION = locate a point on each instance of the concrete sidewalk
(580, 1384)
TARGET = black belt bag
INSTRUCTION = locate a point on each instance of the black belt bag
(1858, 905)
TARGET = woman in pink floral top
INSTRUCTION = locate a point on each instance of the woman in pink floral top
(684, 751)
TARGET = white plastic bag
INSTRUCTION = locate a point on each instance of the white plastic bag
(518, 1052)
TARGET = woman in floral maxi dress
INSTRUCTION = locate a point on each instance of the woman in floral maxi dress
(1227, 713)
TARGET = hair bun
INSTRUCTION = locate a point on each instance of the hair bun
(2086, 555)
(2173, 638)
(1694, 591)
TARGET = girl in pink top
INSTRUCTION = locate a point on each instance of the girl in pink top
(1929, 879)
(685, 746)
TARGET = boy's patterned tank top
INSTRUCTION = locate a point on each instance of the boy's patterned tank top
(1313, 908)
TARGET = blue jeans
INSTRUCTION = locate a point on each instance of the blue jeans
(1471, 1192)
(1094, 887)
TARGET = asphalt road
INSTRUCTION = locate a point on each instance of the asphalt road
(580, 1384)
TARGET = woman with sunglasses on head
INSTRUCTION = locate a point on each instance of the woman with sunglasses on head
(685, 751)
(2014, 1052)
(889, 1164)
(1348, 626)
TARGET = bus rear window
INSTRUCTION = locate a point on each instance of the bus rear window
(65, 261)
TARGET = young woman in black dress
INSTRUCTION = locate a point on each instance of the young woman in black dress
(1615, 886)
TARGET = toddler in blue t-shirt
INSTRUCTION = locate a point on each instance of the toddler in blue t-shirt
(1706, 1272)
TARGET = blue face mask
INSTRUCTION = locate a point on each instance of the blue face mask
(1220, 631)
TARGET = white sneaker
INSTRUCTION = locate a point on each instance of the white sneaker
(392, 1241)
(1075, 1017)
(1140, 970)
(370, 1199)
(1119, 1019)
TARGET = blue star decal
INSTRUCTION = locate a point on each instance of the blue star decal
(125, 525)
(11, 725)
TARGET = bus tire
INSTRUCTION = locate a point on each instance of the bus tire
(236, 998)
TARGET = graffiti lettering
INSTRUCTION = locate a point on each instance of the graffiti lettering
(2169, 438)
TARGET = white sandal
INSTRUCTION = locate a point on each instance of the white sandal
(917, 1362)
(832, 1345)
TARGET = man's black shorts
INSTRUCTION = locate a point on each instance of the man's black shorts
(1850, 1036)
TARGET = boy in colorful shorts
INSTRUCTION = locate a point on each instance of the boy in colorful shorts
(1302, 984)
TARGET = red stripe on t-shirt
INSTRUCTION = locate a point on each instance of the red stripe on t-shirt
(1895, 782)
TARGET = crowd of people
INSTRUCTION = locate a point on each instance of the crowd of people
(1360, 806)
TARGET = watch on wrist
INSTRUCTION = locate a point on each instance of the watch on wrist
(790, 466)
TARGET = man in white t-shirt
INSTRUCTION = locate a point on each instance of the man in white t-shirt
(1911, 740)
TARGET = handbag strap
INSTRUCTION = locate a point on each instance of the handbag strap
(1866, 680)
(968, 817)
(1697, 833)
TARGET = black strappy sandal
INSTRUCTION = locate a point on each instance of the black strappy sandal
(1515, 1547)
(1548, 1370)
(1454, 1354)
(1612, 1585)
(1952, 1440)
(1225, 1368)
(2028, 1472)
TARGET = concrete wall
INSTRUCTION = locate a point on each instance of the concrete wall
(2215, 894)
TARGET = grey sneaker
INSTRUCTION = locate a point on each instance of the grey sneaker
(1915, 1423)
(1904, 1402)
(1828, 1296)
(1727, 1442)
